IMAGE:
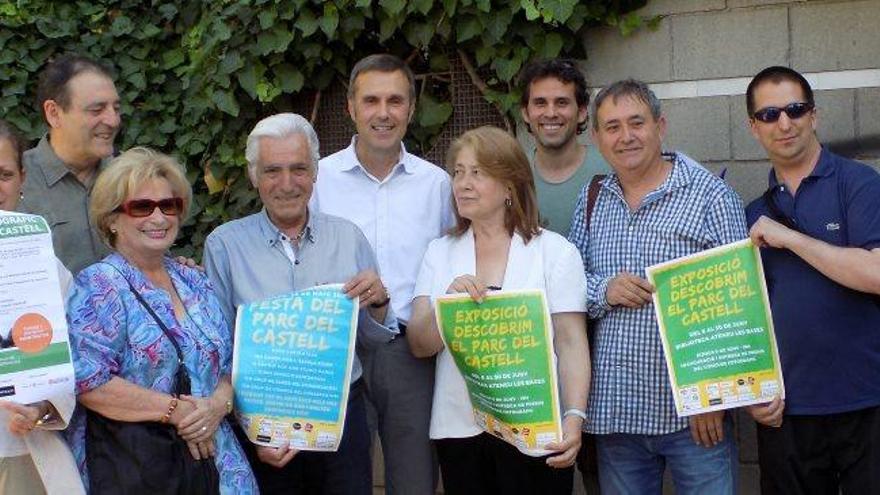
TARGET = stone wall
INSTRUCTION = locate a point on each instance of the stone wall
(699, 62)
(704, 52)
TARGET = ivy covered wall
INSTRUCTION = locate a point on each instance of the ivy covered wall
(194, 76)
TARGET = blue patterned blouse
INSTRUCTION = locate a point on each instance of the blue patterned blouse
(111, 334)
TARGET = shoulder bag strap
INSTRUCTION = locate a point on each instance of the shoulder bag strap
(159, 322)
(183, 385)
(183, 381)
(592, 196)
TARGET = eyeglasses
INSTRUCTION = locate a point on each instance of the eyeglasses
(794, 110)
(139, 208)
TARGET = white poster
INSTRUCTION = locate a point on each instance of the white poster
(34, 352)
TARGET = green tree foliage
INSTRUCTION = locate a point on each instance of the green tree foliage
(195, 75)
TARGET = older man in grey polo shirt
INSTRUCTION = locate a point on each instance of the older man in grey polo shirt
(286, 247)
(81, 107)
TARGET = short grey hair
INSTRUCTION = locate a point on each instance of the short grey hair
(278, 126)
(632, 88)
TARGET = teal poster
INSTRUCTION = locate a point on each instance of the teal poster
(292, 366)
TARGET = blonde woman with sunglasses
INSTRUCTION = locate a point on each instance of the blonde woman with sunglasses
(152, 350)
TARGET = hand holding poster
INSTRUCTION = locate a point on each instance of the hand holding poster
(292, 366)
(35, 357)
(717, 330)
(503, 348)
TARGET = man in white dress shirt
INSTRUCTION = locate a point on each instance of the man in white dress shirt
(401, 203)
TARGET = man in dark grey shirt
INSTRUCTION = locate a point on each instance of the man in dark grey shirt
(81, 108)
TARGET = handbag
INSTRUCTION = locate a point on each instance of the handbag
(146, 458)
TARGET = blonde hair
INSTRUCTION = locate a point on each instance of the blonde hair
(127, 173)
(500, 156)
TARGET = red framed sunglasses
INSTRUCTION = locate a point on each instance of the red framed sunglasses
(139, 208)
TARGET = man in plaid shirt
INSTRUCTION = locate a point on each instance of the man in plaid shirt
(653, 207)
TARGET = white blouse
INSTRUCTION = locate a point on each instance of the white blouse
(547, 262)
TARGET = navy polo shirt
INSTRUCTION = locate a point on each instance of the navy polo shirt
(828, 335)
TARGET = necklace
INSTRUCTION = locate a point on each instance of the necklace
(301, 234)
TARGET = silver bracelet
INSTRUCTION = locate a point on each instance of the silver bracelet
(575, 412)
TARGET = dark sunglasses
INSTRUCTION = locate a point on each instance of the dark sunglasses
(145, 207)
(794, 110)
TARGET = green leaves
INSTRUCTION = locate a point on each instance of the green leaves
(250, 76)
(421, 6)
(230, 62)
(290, 78)
(531, 9)
(330, 21)
(274, 40)
(557, 11)
(173, 58)
(194, 76)
(497, 25)
(225, 102)
(122, 25)
(266, 18)
(432, 113)
(419, 34)
(507, 68)
(307, 23)
(552, 45)
(138, 80)
(392, 7)
(629, 23)
(468, 28)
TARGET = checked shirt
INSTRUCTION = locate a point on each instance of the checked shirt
(691, 211)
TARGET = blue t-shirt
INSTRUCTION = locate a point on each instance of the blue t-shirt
(828, 335)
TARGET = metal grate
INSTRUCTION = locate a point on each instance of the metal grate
(469, 111)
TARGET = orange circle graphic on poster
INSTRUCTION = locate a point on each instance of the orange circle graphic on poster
(31, 333)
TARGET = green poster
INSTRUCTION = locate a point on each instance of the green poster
(503, 348)
(717, 330)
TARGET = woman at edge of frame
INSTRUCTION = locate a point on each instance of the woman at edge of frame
(33, 457)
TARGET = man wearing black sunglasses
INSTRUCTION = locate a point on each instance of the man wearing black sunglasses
(819, 225)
